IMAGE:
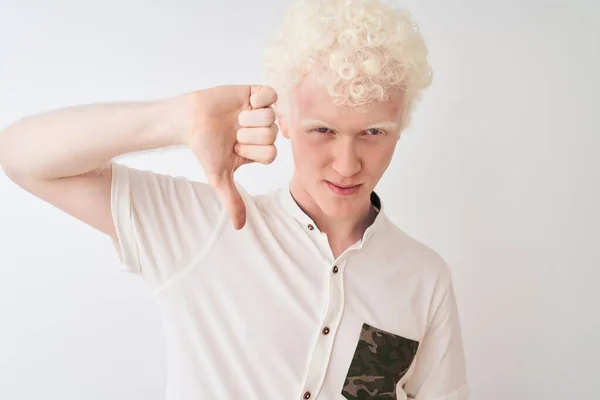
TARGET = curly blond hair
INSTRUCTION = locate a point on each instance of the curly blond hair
(360, 49)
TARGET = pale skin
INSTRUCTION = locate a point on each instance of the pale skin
(62, 156)
(342, 146)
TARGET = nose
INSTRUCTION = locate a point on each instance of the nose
(346, 161)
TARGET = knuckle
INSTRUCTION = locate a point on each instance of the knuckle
(270, 116)
(267, 136)
(270, 155)
(266, 116)
(274, 132)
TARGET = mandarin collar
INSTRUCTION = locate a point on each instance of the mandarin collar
(293, 209)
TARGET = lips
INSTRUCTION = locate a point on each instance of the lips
(343, 186)
(343, 190)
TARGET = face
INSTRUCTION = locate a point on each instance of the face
(336, 148)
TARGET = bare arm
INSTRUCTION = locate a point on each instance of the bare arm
(61, 156)
(76, 140)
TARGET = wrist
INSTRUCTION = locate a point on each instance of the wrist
(173, 120)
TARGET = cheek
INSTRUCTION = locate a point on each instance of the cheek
(307, 151)
(377, 158)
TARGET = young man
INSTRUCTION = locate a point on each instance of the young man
(308, 292)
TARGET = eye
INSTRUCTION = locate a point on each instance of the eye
(374, 132)
(322, 130)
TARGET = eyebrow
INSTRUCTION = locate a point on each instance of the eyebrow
(387, 126)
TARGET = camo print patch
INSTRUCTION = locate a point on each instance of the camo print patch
(380, 360)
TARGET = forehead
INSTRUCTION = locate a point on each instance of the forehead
(311, 100)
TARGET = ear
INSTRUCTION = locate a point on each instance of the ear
(283, 128)
(281, 122)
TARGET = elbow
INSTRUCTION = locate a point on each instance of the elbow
(9, 154)
(5, 150)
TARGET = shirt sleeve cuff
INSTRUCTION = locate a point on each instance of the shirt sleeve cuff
(122, 215)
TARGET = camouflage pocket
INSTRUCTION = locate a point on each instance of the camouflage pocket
(380, 360)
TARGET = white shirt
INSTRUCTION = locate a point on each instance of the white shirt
(268, 313)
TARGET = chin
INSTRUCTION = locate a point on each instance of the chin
(337, 206)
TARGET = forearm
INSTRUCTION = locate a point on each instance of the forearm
(75, 140)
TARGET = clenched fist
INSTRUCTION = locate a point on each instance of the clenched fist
(232, 126)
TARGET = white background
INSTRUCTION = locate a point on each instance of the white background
(498, 172)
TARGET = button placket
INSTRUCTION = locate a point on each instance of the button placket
(321, 355)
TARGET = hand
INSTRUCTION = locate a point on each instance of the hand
(232, 126)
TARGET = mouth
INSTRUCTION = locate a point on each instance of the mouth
(343, 190)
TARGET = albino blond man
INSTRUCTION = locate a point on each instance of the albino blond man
(306, 292)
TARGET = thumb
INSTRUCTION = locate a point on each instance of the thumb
(225, 188)
(262, 96)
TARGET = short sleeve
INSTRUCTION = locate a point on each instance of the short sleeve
(439, 371)
(162, 222)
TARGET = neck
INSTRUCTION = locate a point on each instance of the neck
(342, 229)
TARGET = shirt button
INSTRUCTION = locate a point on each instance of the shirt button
(310, 228)
(307, 395)
(335, 269)
(325, 331)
